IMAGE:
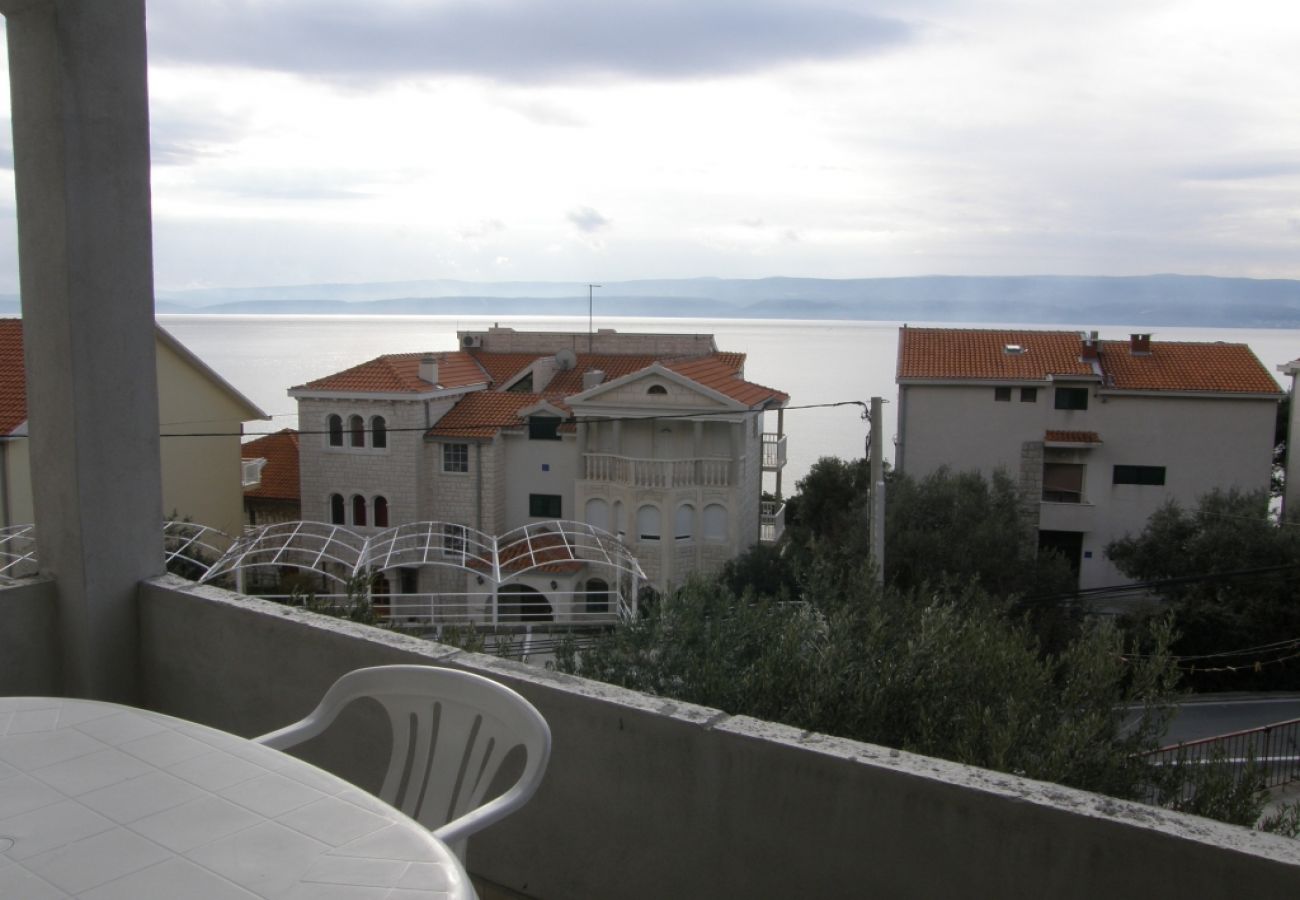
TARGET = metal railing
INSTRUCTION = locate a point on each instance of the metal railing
(772, 523)
(1271, 752)
(773, 450)
(512, 611)
(708, 471)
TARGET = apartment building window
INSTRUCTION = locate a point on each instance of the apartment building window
(598, 513)
(381, 512)
(1151, 475)
(453, 539)
(378, 432)
(656, 389)
(543, 428)
(1071, 398)
(648, 523)
(544, 506)
(1029, 395)
(455, 457)
(357, 426)
(714, 522)
(684, 522)
(1002, 394)
(336, 508)
(1063, 482)
(358, 510)
(334, 425)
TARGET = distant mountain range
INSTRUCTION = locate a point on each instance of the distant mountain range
(1189, 300)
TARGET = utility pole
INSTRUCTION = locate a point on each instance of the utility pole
(590, 329)
(876, 496)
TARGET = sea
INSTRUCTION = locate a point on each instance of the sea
(831, 369)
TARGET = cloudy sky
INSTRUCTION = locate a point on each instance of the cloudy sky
(303, 141)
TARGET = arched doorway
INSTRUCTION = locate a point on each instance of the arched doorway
(597, 595)
(521, 603)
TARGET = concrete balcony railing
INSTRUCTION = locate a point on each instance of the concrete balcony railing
(647, 797)
(706, 471)
(772, 523)
(773, 451)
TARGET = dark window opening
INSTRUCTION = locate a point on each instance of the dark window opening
(1029, 395)
(378, 432)
(357, 426)
(543, 428)
(455, 457)
(1069, 544)
(358, 510)
(336, 509)
(1152, 475)
(656, 389)
(1071, 398)
(381, 512)
(523, 385)
(1002, 394)
(335, 426)
(597, 595)
(544, 506)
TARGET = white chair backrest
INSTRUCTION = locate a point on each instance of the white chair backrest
(451, 732)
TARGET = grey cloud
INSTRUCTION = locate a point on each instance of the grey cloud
(1243, 170)
(588, 220)
(512, 40)
(179, 135)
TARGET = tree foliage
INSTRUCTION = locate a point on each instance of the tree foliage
(1233, 584)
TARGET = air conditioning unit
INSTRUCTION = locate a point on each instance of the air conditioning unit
(471, 341)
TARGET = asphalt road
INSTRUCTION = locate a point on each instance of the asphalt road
(1216, 714)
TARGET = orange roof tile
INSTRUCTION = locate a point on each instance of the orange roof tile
(980, 354)
(13, 377)
(720, 375)
(399, 373)
(1072, 437)
(483, 413)
(501, 367)
(958, 354)
(280, 474)
(1183, 366)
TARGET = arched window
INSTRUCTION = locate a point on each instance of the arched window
(334, 424)
(598, 513)
(336, 509)
(656, 389)
(378, 432)
(647, 523)
(381, 512)
(358, 510)
(715, 522)
(684, 522)
(357, 426)
(597, 595)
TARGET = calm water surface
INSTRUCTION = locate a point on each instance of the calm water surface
(815, 362)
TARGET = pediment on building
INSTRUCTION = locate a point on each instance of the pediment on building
(654, 388)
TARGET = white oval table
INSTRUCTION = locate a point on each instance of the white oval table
(107, 802)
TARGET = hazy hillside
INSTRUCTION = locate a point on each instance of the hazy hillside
(1047, 299)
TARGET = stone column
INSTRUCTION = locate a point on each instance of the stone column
(77, 71)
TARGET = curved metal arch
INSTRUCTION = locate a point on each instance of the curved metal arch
(432, 543)
(311, 546)
(189, 545)
(539, 544)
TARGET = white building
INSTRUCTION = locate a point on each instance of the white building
(1098, 434)
(655, 438)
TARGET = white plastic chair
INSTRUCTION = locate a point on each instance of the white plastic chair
(451, 732)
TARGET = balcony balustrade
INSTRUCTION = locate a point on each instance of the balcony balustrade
(772, 524)
(773, 451)
(705, 471)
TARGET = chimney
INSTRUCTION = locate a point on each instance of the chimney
(1088, 351)
(429, 368)
(1139, 344)
(591, 378)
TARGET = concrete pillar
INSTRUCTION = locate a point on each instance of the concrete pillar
(77, 72)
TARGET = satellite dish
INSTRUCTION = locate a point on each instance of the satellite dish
(566, 359)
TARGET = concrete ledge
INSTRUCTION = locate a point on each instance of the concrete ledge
(647, 797)
(29, 639)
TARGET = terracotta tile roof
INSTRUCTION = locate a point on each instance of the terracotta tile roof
(981, 355)
(399, 373)
(613, 365)
(1072, 437)
(501, 367)
(1183, 366)
(720, 375)
(280, 474)
(483, 413)
(13, 377)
